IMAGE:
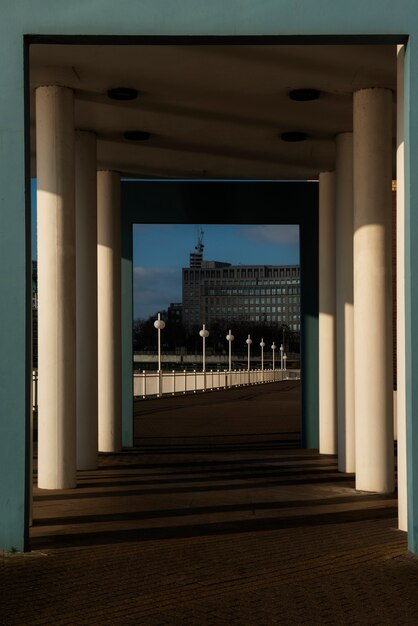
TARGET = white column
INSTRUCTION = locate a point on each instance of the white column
(56, 288)
(372, 134)
(327, 351)
(344, 302)
(86, 243)
(109, 311)
(400, 299)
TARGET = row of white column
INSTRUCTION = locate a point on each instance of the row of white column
(355, 301)
(79, 297)
(79, 323)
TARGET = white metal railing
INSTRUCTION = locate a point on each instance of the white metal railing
(173, 382)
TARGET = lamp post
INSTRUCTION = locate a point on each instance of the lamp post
(230, 338)
(285, 359)
(159, 324)
(281, 356)
(204, 333)
(249, 341)
(262, 344)
(273, 348)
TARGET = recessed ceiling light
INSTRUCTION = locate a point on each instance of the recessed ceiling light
(122, 93)
(137, 135)
(293, 136)
(304, 95)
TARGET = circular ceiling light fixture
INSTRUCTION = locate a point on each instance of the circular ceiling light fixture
(137, 135)
(122, 93)
(304, 95)
(293, 136)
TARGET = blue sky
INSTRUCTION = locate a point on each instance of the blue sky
(161, 250)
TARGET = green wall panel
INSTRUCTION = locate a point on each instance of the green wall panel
(218, 17)
(127, 355)
(14, 311)
(411, 287)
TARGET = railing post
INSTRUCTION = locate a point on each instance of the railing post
(174, 382)
(144, 391)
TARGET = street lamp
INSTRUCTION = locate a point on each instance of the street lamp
(273, 347)
(159, 324)
(230, 338)
(281, 356)
(262, 344)
(249, 341)
(204, 333)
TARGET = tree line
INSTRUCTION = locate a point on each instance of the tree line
(177, 338)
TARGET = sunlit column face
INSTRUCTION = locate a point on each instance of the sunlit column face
(373, 384)
(56, 287)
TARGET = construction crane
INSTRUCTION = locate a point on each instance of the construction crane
(200, 246)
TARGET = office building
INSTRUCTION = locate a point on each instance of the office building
(215, 291)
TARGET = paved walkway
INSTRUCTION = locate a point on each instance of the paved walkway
(216, 517)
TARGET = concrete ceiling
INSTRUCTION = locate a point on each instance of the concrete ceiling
(213, 111)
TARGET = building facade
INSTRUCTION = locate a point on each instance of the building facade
(175, 313)
(214, 291)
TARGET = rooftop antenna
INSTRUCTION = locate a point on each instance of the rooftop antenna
(200, 246)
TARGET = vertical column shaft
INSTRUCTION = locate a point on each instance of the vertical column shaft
(327, 351)
(109, 310)
(86, 274)
(344, 303)
(372, 133)
(56, 288)
(400, 298)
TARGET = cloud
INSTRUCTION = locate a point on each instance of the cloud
(274, 233)
(154, 288)
(151, 228)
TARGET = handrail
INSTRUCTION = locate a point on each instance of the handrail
(155, 384)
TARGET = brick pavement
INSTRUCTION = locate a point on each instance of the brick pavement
(216, 517)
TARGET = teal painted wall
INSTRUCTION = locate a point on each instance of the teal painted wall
(309, 257)
(127, 308)
(411, 285)
(14, 285)
(172, 18)
(218, 17)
